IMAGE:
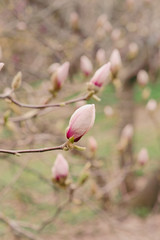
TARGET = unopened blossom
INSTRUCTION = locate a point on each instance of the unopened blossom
(81, 121)
(108, 110)
(101, 20)
(116, 34)
(1, 66)
(127, 132)
(143, 156)
(59, 77)
(60, 169)
(151, 105)
(101, 75)
(92, 144)
(133, 50)
(86, 65)
(74, 20)
(53, 67)
(116, 62)
(142, 78)
(101, 56)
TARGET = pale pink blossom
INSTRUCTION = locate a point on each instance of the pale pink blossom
(1, 66)
(142, 78)
(116, 34)
(151, 105)
(116, 62)
(101, 75)
(92, 144)
(81, 121)
(86, 65)
(101, 56)
(143, 156)
(53, 67)
(133, 50)
(60, 169)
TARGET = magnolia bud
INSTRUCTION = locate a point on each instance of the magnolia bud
(81, 121)
(101, 75)
(60, 169)
(116, 34)
(86, 65)
(101, 20)
(101, 56)
(74, 21)
(146, 93)
(142, 78)
(92, 144)
(116, 62)
(127, 132)
(133, 50)
(60, 76)
(1, 66)
(108, 110)
(53, 67)
(16, 83)
(143, 157)
(151, 105)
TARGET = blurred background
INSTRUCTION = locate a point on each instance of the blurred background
(120, 198)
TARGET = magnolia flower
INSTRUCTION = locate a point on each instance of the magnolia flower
(1, 66)
(143, 157)
(101, 20)
(108, 110)
(53, 67)
(116, 34)
(60, 76)
(60, 169)
(86, 65)
(101, 56)
(101, 75)
(92, 144)
(116, 62)
(151, 105)
(142, 78)
(81, 121)
(74, 20)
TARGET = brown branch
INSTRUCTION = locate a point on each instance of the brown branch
(47, 149)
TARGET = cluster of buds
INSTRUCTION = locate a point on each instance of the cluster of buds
(143, 157)
(86, 65)
(151, 105)
(126, 137)
(116, 62)
(60, 170)
(59, 76)
(142, 78)
(101, 76)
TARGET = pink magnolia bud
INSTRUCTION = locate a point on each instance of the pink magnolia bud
(127, 132)
(74, 20)
(92, 144)
(81, 121)
(53, 67)
(108, 110)
(133, 50)
(60, 169)
(1, 66)
(60, 76)
(86, 65)
(116, 34)
(143, 157)
(116, 62)
(101, 56)
(151, 105)
(101, 75)
(101, 20)
(142, 78)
